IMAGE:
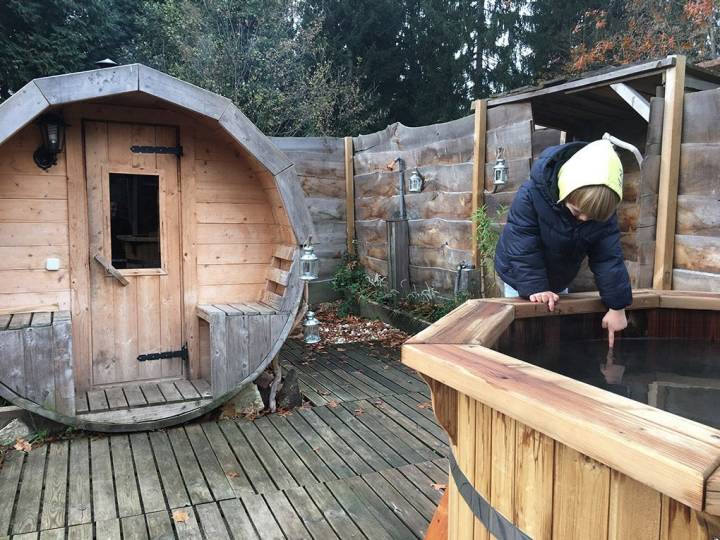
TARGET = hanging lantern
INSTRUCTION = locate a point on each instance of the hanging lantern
(500, 170)
(416, 182)
(308, 263)
(52, 131)
(312, 328)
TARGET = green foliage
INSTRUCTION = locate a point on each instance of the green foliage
(48, 37)
(254, 53)
(486, 235)
(352, 280)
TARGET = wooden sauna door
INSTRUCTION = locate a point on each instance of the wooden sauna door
(127, 192)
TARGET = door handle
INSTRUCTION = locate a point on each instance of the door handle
(110, 269)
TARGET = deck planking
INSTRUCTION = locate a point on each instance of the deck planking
(360, 461)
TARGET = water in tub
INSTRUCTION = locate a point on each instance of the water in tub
(678, 375)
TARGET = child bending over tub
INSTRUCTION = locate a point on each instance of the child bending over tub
(563, 213)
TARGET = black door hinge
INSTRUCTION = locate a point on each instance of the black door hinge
(175, 150)
(182, 353)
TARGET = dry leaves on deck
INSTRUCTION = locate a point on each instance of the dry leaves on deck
(22, 445)
(332, 404)
(439, 487)
(180, 517)
(353, 329)
(424, 405)
(232, 474)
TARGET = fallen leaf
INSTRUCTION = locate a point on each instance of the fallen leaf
(284, 412)
(22, 445)
(323, 392)
(386, 367)
(378, 402)
(332, 404)
(439, 487)
(340, 349)
(233, 474)
(180, 517)
(424, 405)
(358, 411)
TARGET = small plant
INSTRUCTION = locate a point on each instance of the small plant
(351, 279)
(486, 237)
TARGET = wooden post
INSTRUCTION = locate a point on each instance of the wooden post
(398, 243)
(349, 196)
(669, 172)
(478, 171)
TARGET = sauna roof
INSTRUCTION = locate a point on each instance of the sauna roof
(135, 81)
(45, 93)
(571, 104)
(675, 456)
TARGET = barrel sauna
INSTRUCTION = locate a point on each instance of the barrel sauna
(536, 454)
(150, 267)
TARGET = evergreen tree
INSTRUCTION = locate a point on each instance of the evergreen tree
(48, 37)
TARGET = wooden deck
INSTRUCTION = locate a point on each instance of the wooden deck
(360, 463)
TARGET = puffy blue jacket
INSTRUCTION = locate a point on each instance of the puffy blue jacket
(542, 246)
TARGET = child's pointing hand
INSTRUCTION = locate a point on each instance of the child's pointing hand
(615, 321)
(547, 297)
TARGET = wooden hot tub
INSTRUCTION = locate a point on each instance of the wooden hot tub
(540, 455)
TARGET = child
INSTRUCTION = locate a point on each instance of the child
(565, 212)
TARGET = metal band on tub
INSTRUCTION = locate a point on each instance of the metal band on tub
(498, 525)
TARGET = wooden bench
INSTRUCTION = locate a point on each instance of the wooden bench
(244, 336)
(36, 360)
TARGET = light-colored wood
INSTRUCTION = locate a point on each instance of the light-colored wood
(186, 95)
(602, 426)
(71, 87)
(21, 108)
(349, 196)
(79, 261)
(633, 98)
(465, 456)
(483, 461)
(669, 170)
(190, 250)
(29, 309)
(533, 488)
(110, 269)
(502, 481)
(581, 495)
(634, 509)
(154, 298)
(478, 170)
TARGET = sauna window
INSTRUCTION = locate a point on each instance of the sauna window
(135, 220)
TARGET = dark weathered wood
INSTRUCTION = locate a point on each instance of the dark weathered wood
(288, 520)
(9, 478)
(238, 519)
(159, 525)
(134, 528)
(189, 469)
(256, 472)
(309, 456)
(103, 493)
(275, 467)
(214, 475)
(27, 510)
(53, 510)
(333, 511)
(63, 370)
(211, 521)
(39, 373)
(231, 467)
(147, 475)
(174, 488)
(127, 496)
(398, 238)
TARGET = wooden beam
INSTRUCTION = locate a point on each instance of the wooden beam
(626, 73)
(669, 171)
(478, 170)
(633, 98)
(349, 196)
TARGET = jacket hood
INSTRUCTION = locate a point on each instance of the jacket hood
(544, 172)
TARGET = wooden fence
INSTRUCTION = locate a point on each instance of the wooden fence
(359, 177)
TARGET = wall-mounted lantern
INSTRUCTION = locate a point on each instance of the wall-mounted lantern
(52, 131)
(500, 170)
(308, 263)
(312, 328)
(416, 182)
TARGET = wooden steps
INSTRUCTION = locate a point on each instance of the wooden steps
(141, 395)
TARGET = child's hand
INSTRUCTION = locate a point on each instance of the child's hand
(615, 321)
(547, 297)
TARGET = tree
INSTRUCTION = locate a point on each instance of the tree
(255, 53)
(48, 37)
(641, 29)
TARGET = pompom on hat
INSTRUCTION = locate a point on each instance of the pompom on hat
(596, 164)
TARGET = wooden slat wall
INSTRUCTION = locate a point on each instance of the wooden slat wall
(320, 166)
(33, 226)
(550, 490)
(696, 263)
(237, 221)
(440, 229)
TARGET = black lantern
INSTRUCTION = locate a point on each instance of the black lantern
(52, 130)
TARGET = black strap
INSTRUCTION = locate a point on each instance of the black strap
(498, 525)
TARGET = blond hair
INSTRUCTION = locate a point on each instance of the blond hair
(596, 202)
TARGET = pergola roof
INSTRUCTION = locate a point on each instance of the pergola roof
(42, 94)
